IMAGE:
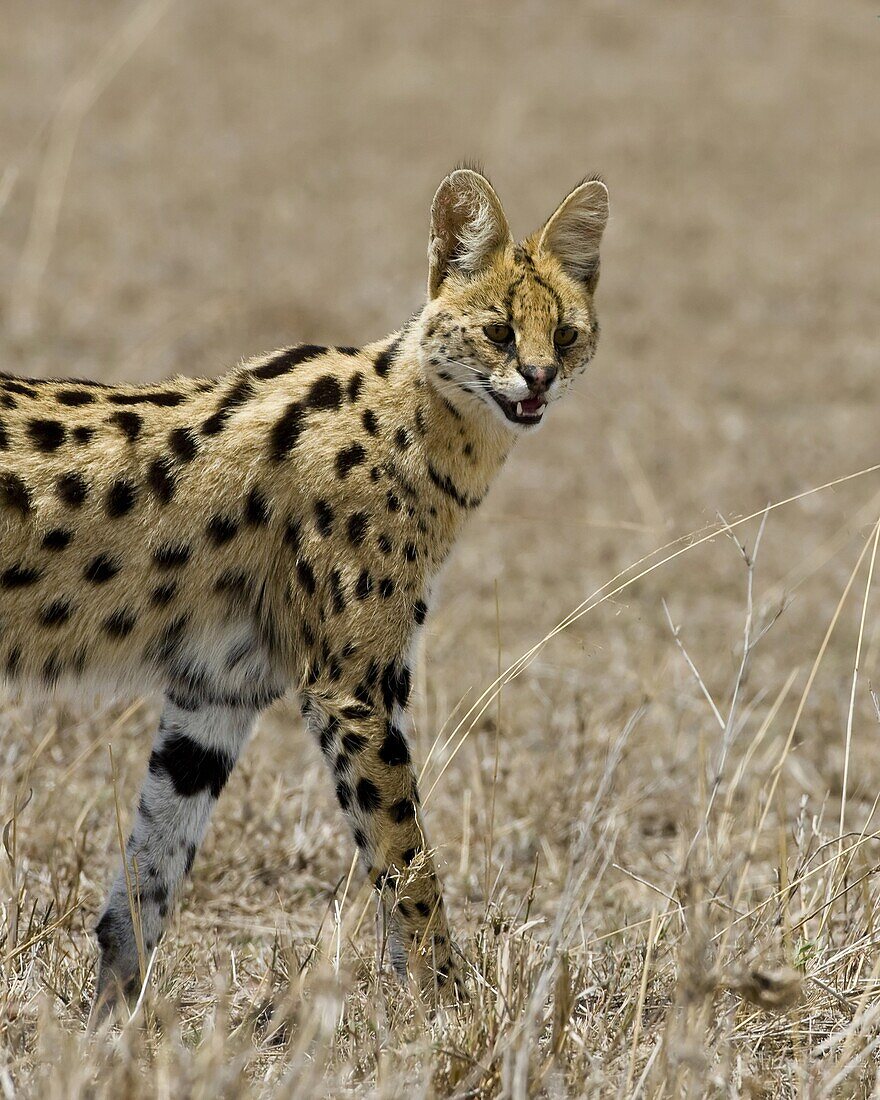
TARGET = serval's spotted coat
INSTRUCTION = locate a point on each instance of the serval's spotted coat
(223, 541)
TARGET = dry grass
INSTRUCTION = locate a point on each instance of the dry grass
(660, 837)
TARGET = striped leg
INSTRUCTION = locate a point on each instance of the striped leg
(195, 750)
(377, 790)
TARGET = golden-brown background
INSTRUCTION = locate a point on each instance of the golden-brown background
(187, 183)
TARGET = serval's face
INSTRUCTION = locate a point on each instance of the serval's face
(509, 326)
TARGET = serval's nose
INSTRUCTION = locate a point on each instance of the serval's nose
(538, 378)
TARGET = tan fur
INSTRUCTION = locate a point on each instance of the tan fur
(431, 443)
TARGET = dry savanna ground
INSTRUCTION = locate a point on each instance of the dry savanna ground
(659, 831)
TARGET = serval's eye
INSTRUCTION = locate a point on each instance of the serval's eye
(565, 336)
(499, 334)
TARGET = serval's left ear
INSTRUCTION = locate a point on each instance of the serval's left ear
(574, 232)
(467, 226)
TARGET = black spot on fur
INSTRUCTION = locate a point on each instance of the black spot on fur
(446, 485)
(327, 735)
(401, 812)
(159, 894)
(19, 576)
(306, 576)
(286, 360)
(57, 539)
(368, 796)
(402, 439)
(191, 767)
(235, 396)
(165, 647)
(101, 569)
(292, 536)
(121, 623)
(355, 383)
(83, 434)
(409, 551)
(105, 933)
(336, 592)
(52, 670)
(129, 423)
(344, 349)
(238, 653)
(234, 583)
(72, 489)
(355, 712)
(121, 498)
(323, 518)
(18, 387)
(55, 613)
(384, 359)
(46, 435)
(394, 750)
(358, 523)
(386, 588)
(364, 585)
(4, 437)
(395, 685)
(183, 443)
(256, 509)
(79, 661)
(74, 397)
(420, 611)
(13, 660)
(393, 503)
(286, 431)
(370, 421)
(166, 399)
(384, 544)
(325, 393)
(348, 458)
(160, 478)
(363, 692)
(15, 494)
(343, 795)
(221, 529)
(354, 743)
(163, 594)
(172, 555)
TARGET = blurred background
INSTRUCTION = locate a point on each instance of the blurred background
(185, 183)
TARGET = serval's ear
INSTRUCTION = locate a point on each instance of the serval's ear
(573, 233)
(467, 226)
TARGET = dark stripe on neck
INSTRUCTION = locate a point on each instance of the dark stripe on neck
(447, 486)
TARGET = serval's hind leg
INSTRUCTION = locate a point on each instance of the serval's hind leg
(195, 751)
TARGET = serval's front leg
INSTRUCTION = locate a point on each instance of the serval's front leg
(362, 739)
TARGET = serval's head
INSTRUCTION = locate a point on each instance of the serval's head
(508, 326)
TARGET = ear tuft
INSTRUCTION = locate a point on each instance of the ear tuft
(467, 226)
(574, 232)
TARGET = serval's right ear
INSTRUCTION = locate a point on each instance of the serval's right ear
(467, 226)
